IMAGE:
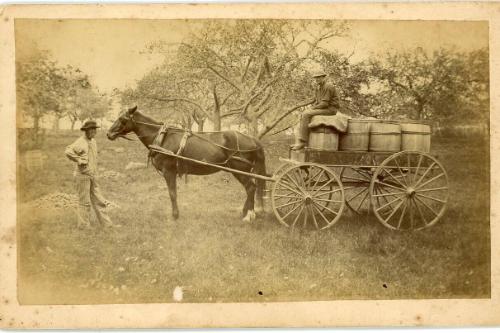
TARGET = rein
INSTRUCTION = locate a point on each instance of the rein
(233, 151)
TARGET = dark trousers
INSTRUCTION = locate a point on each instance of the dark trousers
(305, 118)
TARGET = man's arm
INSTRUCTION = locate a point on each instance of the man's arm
(75, 153)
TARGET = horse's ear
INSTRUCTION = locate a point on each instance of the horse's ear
(132, 110)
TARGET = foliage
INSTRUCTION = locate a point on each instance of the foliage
(39, 86)
(44, 87)
(445, 85)
(252, 71)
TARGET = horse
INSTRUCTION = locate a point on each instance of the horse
(230, 149)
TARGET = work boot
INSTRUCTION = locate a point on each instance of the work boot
(298, 146)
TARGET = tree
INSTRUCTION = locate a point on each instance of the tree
(424, 86)
(249, 70)
(39, 85)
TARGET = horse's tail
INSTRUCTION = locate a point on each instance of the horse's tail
(260, 169)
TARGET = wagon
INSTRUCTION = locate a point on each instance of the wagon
(405, 190)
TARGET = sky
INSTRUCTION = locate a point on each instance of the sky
(112, 51)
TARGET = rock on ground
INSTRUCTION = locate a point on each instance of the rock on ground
(135, 165)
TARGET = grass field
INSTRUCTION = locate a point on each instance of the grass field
(218, 258)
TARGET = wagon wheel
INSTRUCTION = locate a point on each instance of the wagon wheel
(356, 180)
(308, 195)
(281, 169)
(409, 190)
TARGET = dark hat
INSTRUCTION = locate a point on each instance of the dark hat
(89, 124)
(318, 73)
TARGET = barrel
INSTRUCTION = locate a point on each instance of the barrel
(385, 137)
(357, 137)
(324, 138)
(415, 136)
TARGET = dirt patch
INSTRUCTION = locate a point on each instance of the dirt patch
(56, 200)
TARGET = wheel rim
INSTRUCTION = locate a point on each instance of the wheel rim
(308, 195)
(356, 183)
(356, 180)
(409, 191)
(281, 169)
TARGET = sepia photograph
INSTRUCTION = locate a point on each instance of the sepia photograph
(225, 160)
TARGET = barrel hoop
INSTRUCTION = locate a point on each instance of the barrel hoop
(413, 132)
(357, 133)
(386, 133)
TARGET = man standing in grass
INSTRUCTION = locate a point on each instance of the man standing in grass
(84, 152)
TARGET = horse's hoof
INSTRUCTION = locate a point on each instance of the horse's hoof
(250, 216)
(175, 216)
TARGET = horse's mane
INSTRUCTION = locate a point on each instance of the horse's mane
(148, 119)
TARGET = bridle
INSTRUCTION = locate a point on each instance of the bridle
(130, 117)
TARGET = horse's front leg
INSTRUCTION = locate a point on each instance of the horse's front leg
(171, 178)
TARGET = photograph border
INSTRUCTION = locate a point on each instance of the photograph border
(442, 312)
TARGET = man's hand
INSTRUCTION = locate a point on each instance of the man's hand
(82, 162)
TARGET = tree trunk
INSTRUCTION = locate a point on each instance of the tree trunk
(73, 121)
(216, 114)
(55, 125)
(254, 126)
(201, 123)
(216, 119)
(36, 129)
(420, 111)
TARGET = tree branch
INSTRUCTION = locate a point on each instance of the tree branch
(277, 120)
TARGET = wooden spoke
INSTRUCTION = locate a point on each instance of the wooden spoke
(327, 208)
(324, 185)
(397, 180)
(285, 196)
(431, 198)
(289, 203)
(388, 185)
(417, 170)
(313, 177)
(410, 204)
(394, 211)
(425, 173)
(433, 189)
(429, 181)
(297, 217)
(363, 189)
(288, 187)
(388, 194)
(401, 173)
(389, 203)
(379, 190)
(317, 180)
(311, 211)
(419, 212)
(367, 193)
(293, 181)
(328, 200)
(427, 206)
(293, 196)
(327, 192)
(402, 215)
(364, 180)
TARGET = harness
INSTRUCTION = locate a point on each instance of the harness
(164, 130)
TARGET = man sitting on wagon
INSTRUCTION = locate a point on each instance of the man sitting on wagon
(326, 102)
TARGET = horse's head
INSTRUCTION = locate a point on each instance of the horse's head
(123, 125)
